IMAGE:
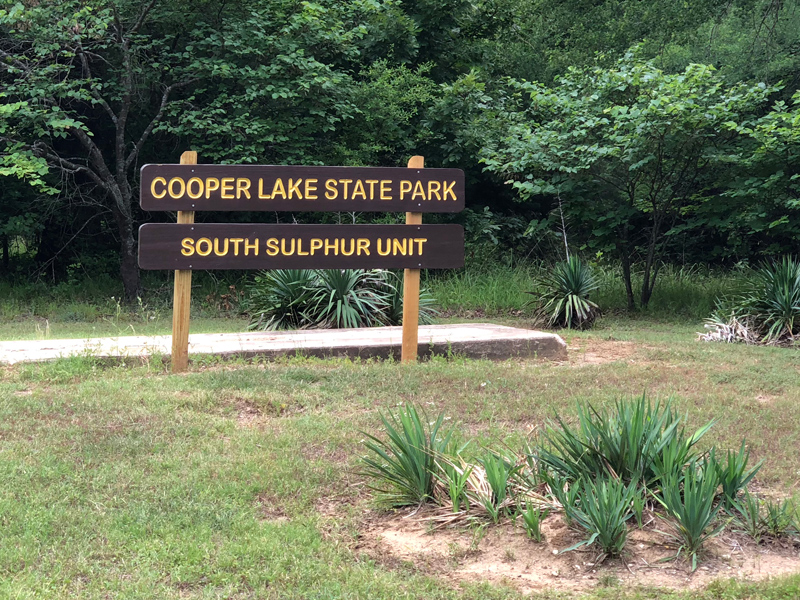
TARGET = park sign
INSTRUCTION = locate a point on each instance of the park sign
(186, 246)
(260, 246)
(301, 188)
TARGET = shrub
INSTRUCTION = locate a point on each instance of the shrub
(279, 299)
(402, 467)
(632, 443)
(768, 312)
(337, 298)
(564, 300)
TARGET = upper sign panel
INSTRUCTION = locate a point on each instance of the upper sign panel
(295, 188)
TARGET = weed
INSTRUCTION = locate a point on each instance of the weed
(779, 518)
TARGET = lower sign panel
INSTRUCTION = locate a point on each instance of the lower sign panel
(255, 246)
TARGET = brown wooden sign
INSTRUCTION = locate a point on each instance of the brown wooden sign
(300, 188)
(258, 246)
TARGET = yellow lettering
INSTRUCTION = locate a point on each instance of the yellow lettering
(405, 186)
(352, 247)
(316, 243)
(278, 188)
(187, 245)
(208, 248)
(310, 189)
(300, 248)
(242, 187)
(418, 189)
(216, 247)
(272, 247)
(388, 247)
(212, 185)
(419, 242)
(398, 247)
(433, 188)
(189, 192)
(253, 247)
(372, 183)
(153, 187)
(227, 188)
(294, 188)
(331, 193)
(334, 246)
(386, 189)
(261, 194)
(448, 189)
(410, 247)
(358, 188)
(236, 242)
(344, 182)
(283, 247)
(363, 245)
(173, 194)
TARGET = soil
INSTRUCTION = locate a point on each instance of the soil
(594, 352)
(503, 554)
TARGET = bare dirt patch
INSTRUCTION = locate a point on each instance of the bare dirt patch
(505, 555)
(595, 352)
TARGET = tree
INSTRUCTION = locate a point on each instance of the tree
(627, 149)
(89, 87)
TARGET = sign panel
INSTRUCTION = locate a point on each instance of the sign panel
(300, 188)
(259, 246)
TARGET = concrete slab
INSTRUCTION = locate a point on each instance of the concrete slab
(479, 340)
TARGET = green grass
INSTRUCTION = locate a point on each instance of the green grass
(130, 483)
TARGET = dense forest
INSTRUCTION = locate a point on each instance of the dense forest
(641, 133)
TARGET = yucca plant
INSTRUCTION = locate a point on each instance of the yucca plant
(776, 299)
(394, 308)
(605, 508)
(629, 443)
(733, 473)
(401, 468)
(349, 298)
(779, 518)
(564, 295)
(691, 509)
(747, 509)
(566, 493)
(454, 474)
(499, 472)
(278, 299)
(532, 517)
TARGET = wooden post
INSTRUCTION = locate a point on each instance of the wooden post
(182, 299)
(411, 288)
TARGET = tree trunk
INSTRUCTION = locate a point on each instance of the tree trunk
(626, 277)
(128, 257)
(6, 255)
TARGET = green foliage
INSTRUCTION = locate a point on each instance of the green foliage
(605, 508)
(733, 474)
(455, 477)
(278, 299)
(767, 312)
(291, 299)
(779, 518)
(623, 149)
(691, 508)
(748, 515)
(632, 443)
(401, 468)
(564, 295)
(499, 473)
(532, 517)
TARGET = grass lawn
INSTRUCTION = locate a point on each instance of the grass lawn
(240, 480)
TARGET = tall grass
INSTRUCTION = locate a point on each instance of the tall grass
(681, 292)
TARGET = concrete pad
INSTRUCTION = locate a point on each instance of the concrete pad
(480, 340)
